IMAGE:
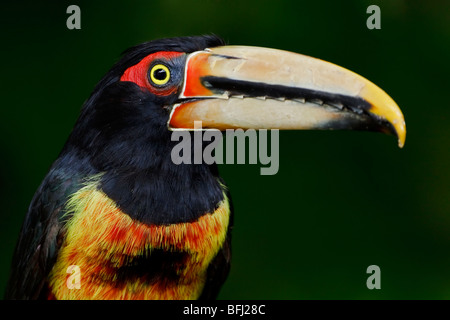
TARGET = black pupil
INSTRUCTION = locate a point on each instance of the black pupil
(160, 74)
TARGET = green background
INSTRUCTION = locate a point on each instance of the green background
(340, 202)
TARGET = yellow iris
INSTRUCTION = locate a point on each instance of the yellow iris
(160, 74)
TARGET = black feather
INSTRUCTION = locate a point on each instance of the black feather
(122, 133)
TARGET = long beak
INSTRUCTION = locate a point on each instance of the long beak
(260, 88)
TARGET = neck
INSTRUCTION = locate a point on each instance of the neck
(144, 182)
(127, 141)
(164, 193)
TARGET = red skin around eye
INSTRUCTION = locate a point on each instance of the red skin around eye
(138, 73)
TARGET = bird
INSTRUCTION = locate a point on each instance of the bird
(137, 225)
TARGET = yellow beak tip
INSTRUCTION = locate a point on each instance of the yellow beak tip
(400, 130)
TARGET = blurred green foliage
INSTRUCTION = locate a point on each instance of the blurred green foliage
(340, 202)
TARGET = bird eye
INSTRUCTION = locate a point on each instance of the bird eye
(159, 74)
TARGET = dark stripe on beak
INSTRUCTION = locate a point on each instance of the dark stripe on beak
(363, 119)
(232, 87)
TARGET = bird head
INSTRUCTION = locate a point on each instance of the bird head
(125, 127)
(167, 84)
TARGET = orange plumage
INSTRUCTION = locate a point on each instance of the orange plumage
(101, 240)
